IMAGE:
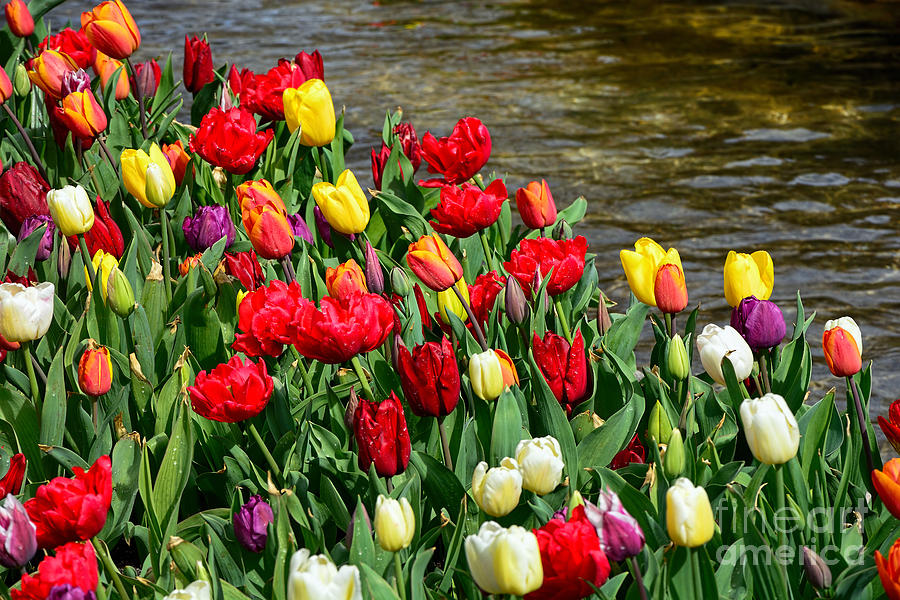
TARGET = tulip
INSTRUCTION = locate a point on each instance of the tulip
(620, 535)
(263, 94)
(208, 225)
(486, 375)
(104, 264)
(19, 19)
(317, 578)
(119, 293)
(887, 484)
(23, 194)
(448, 302)
(48, 70)
(395, 523)
(459, 156)
(264, 217)
(564, 257)
(540, 462)
(342, 327)
(535, 205)
(95, 370)
(67, 591)
(771, 429)
(11, 483)
(689, 516)
(504, 561)
(842, 343)
(71, 210)
(18, 540)
(189, 263)
(75, 81)
(311, 65)
(310, 108)
(148, 177)
(889, 571)
(198, 590)
(891, 426)
(111, 29)
(517, 309)
(659, 427)
(430, 378)
(673, 460)
(467, 209)
(432, 262)
(817, 572)
(382, 436)
(246, 268)
(232, 392)
(655, 276)
(374, 272)
(106, 67)
(760, 322)
(482, 295)
(497, 490)
(564, 367)
(82, 115)
(198, 64)
(178, 159)
(343, 204)
(507, 369)
(346, 278)
(266, 316)
(677, 359)
(228, 139)
(69, 575)
(715, 343)
(251, 523)
(299, 228)
(147, 76)
(748, 275)
(73, 44)
(379, 162)
(25, 313)
(6, 87)
(32, 224)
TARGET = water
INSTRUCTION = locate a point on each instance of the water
(710, 127)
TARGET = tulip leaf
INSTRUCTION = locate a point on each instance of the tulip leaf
(507, 430)
(18, 411)
(574, 212)
(625, 332)
(603, 443)
(397, 212)
(416, 577)
(126, 467)
(814, 427)
(375, 585)
(454, 546)
(441, 486)
(792, 376)
(549, 418)
(24, 256)
(53, 415)
(175, 468)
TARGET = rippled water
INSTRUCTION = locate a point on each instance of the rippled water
(741, 125)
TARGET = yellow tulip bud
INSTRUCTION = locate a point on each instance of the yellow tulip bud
(148, 177)
(310, 108)
(748, 275)
(344, 205)
(689, 516)
(104, 265)
(505, 561)
(540, 462)
(449, 301)
(395, 523)
(497, 490)
(71, 210)
(771, 429)
(486, 375)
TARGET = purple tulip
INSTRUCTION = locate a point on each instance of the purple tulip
(207, 227)
(374, 272)
(68, 591)
(620, 535)
(251, 523)
(759, 322)
(18, 536)
(30, 224)
(75, 81)
(300, 228)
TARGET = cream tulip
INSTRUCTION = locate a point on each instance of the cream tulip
(715, 343)
(395, 523)
(771, 429)
(689, 517)
(497, 490)
(317, 578)
(71, 210)
(199, 590)
(540, 463)
(25, 312)
(505, 561)
(486, 375)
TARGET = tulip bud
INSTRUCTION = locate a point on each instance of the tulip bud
(760, 322)
(119, 293)
(18, 535)
(148, 176)
(497, 490)
(517, 308)
(21, 82)
(145, 78)
(352, 405)
(158, 188)
(842, 343)
(689, 517)
(374, 272)
(19, 19)
(562, 231)
(348, 536)
(486, 375)
(220, 177)
(504, 561)
(540, 463)
(748, 275)
(395, 523)
(316, 577)
(11, 483)
(310, 108)
(575, 500)
(659, 427)
(71, 210)
(251, 523)
(715, 343)
(620, 535)
(771, 429)
(400, 282)
(432, 262)
(584, 423)
(604, 322)
(817, 571)
(673, 461)
(677, 359)
(95, 370)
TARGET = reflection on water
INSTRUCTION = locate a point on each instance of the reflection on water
(710, 127)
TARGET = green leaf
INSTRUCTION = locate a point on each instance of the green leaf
(603, 443)
(175, 469)
(441, 486)
(549, 418)
(625, 332)
(507, 429)
(53, 414)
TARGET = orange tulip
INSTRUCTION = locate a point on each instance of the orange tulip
(842, 344)
(432, 262)
(889, 571)
(105, 67)
(345, 279)
(111, 29)
(535, 205)
(6, 87)
(49, 69)
(265, 219)
(95, 370)
(190, 262)
(887, 484)
(670, 289)
(82, 115)
(19, 19)
(178, 159)
(507, 368)
(256, 194)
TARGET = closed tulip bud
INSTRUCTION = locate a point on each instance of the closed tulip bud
(673, 461)
(159, 186)
(6, 87)
(71, 210)
(111, 29)
(575, 500)
(429, 376)
(395, 523)
(198, 64)
(382, 436)
(817, 572)
(251, 523)
(220, 177)
(604, 321)
(760, 322)
(620, 535)
(659, 427)
(655, 276)
(771, 429)
(448, 302)
(677, 359)
(21, 82)
(432, 262)
(400, 282)
(343, 204)
(715, 343)
(25, 312)
(198, 590)
(497, 490)
(104, 265)
(317, 578)
(148, 177)
(350, 412)
(95, 370)
(517, 308)
(535, 205)
(11, 483)
(689, 516)
(19, 19)
(106, 68)
(842, 343)
(310, 108)
(374, 272)
(504, 561)
(748, 275)
(562, 231)
(147, 76)
(486, 375)
(18, 537)
(540, 463)
(119, 293)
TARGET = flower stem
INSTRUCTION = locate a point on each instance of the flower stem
(140, 98)
(488, 255)
(108, 155)
(638, 578)
(445, 444)
(276, 471)
(695, 568)
(398, 573)
(669, 325)
(35, 393)
(863, 429)
(288, 268)
(167, 276)
(764, 371)
(88, 263)
(782, 537)
(363, 380)
(322, 163)
(307, 382)
(476, 326)
(563, 323)
(111, 570)
(31, 149)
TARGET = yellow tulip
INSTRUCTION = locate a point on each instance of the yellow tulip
(395, 523)
(310, 108)
(486, 375)
(104, 264)
(497, 490)
(148, 178)
(748, 275)
(642, 266)
(448, 301)
(504, 561)
(71, 210)
(689, 516)
(344, 205)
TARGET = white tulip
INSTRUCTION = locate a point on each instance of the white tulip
(25, 312)
(540, 462)
(497, 490)
(71, 210)
(715, 343)
(395, 523)
(689, 517)
(771, 429)
(505, 561)
(317, 578)
(199, 590)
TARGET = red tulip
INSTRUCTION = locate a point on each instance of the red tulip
(23, 194)
(263, 94)
(430, 378)
(246, 268)
(228, 139)
(104, 235)
(111, 29)
(409, 143)
(565, 257)
(382, 436)
(232, 392)
(535, 205)
(178, 159)
(670, 289)
(95, 370)
(379, 162)
(891, 426)
(634, 452)
(466, 209)
(67, 510)
(266, 319)
(311, 65)
(483, 294)
(73, 565)
(198, 64)
(15, 475)
(73, 44)
(564, 367)
(342, 327)
(571, 557)
(432, 262)
(459, 156)
(20, 21)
